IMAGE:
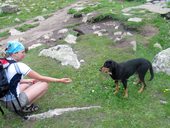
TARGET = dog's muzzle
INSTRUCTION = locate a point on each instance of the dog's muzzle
(105, 70)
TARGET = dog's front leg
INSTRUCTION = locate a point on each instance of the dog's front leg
(125, 88)
(117, 87)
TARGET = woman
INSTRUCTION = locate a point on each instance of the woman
(28, 90)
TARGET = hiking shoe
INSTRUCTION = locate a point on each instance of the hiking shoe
(30, 108)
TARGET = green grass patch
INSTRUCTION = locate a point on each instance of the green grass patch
(72, 11)
(133, 26)
(26, 27)
(4, 34)
(168, 4)
(30, 9)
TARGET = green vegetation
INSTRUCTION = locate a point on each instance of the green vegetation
(137, 0)
(90, 87)
(168, 4)
(26, 27)
(30, 9)
(4, 34)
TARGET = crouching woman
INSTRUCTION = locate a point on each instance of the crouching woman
(27, 90)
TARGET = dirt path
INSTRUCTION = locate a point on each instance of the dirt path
(55, 22)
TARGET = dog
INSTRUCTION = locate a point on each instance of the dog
(122, 71)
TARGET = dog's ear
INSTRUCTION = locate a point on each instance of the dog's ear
(113, 65)
(108, 64)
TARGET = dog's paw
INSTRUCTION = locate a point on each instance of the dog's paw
(125, 96)
(115, 92)
(141, 90)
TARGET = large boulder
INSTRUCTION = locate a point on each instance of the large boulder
(63, 53)
(161, 62)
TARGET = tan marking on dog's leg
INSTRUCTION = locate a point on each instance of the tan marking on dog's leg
(117, 88)
(141, 89)
(126, 93)
(139, 81)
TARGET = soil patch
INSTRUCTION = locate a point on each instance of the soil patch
(149, 31)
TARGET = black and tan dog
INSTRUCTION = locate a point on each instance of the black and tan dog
(122, 71)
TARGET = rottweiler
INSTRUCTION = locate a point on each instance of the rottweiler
(122, 71)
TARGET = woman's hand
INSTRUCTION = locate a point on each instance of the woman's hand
(65, 80)
(30, 81)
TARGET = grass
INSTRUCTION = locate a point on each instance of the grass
(90, 87)
(26, 27)
(168, 4)
(30, 9)
(4, 34)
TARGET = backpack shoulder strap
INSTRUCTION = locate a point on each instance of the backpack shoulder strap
(17, 68)
(15, 64)
(11, 61)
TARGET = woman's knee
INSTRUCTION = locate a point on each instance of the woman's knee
(44, 85)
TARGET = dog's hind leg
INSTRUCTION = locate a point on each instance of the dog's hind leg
(139, 82)
(125, 88)
(142, 88)
(117, 87)
(141, 77)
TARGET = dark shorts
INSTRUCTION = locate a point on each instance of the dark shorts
(23, 99)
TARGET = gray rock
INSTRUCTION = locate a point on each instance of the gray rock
(71, 39)
(15, 32)
(161, 62)
(163, 102)
(135, 19)
(63, 53)
(6, 8)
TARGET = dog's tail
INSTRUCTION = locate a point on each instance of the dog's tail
(151, 72)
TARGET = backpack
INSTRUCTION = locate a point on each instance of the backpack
(9, 87)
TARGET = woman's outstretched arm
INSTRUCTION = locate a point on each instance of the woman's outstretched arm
(35, 75)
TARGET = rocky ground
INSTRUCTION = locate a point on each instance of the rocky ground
(47, 31)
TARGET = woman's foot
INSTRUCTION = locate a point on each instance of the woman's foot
(30, 108)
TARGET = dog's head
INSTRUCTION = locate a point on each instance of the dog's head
(108, 67)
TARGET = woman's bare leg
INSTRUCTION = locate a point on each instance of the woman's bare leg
(34, 91)
(24, 86)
